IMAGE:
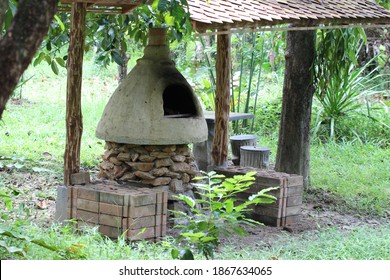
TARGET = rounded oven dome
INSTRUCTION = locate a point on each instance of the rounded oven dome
(154, 105)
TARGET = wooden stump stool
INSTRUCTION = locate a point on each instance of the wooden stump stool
(254, 156)
(237, 141)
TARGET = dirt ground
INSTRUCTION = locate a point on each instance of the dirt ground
(37, 191)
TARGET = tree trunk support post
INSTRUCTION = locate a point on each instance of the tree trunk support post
(74, 119)
(294, 135)
(222, 101)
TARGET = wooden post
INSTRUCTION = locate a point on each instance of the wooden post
(74, 119)
(222, 101)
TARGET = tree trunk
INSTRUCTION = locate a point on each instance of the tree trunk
(222, 101)
(18, 46)
(122, 69)
(74, 119)
(3, 8)
(294, 135)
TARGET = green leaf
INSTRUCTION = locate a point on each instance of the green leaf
(60, 61)
(186, 254)
(39, 59)
(202, 225)
(54, 67)
(208, 239)
(169, 20)
(175, 254)
(117, 57)
(60, 23)
(12, 249)
(229, 205)
(190, 202)
(163, 5)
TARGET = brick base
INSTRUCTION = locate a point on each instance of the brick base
(286, 210)
(132, 212)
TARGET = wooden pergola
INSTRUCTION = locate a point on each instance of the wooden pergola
(221, 17)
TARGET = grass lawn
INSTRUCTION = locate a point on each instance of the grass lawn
(32, 139)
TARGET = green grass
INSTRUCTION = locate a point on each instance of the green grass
(362, 243)
(359, 174)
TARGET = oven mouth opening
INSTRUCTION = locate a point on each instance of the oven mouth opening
(178, 102)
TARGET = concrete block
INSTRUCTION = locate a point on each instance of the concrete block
(62, 204)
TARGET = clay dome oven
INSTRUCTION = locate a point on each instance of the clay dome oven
(154, 105)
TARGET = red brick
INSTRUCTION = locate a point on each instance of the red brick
(109, 220)
(87, 205)
(112, 198)
(293, 211)
(276, 212)
(142, 199)
(111, 209)
(291, 220)
(294, 200)
(141, 222)
(141, 211)
(160, 230)
(139, 234)
(81, 225)
(112, 232)
(88, 194)
(161, 220)
(295, 180)
(81, 178)
(161, 208)
(297, 190)
(87, 216)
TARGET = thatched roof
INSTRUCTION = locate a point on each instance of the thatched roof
(220, 14)
(225, 14)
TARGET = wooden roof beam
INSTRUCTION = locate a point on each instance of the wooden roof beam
(105, 2)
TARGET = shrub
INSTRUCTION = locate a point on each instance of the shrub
(216, 212)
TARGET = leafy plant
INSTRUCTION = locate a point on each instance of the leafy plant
(343, 88)
(217, 212)
(345, 95)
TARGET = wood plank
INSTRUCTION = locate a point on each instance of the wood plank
(74, 121)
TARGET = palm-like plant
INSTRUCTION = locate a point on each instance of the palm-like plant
(345, 95)
(343, 88)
